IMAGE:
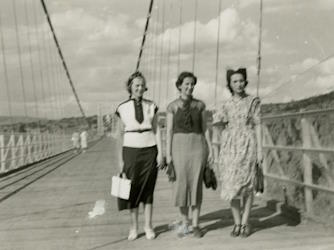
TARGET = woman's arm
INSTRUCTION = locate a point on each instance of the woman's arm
(207, 136)
(169, 137)
(258, 132)
(119, 142)
(157, 131)
(258, 129)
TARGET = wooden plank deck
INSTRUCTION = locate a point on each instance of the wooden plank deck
(52, 207)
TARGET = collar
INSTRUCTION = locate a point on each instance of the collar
(137, 101)
(186, 100)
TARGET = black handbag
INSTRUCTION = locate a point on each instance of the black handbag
(209, 178)
(258, 179)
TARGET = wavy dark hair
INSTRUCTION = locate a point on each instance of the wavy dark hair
(183, 75)
(134, 75)
(230, 72)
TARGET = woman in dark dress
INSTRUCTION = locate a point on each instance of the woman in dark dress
(189, 148)
(140, 151)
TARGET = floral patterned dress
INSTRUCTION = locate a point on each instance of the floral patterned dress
(237, 156)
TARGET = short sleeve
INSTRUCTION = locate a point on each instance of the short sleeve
(171, 108)
(201, 106)
(220, 116)
(120, 110)
(117, 112)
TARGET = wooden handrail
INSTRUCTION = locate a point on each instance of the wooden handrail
(286, 179)
(296, 114)
(291, 148)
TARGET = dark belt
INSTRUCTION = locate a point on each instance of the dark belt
(138, 130)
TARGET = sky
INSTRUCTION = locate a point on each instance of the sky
(100, 41)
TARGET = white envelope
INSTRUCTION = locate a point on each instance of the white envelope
(120, 187)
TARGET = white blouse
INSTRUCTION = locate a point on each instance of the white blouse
(137, 135)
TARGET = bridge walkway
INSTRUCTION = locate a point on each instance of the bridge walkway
(65, 203)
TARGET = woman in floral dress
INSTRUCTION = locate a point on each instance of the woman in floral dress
(240, 148)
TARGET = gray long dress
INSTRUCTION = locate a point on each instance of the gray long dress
(189, 151)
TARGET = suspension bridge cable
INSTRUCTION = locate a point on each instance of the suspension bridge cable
(162, 48)
(61, 92)
(259, 50)
(39, 49)
(180, 33)
(62, 59)
(299, 74)
(144, 35)
(218, 50)
(194, 39)
(18, 45)
(168, 65)
(6, 78)
(150, 62)
(156, 54)
(33, 77)
(47, 70)
(53, 81)
(169, 53)
(54, 85)
(60, 89)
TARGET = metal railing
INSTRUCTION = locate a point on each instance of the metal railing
(305, 143)
(20, 149)
(306, 135)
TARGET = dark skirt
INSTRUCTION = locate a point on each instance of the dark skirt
(140, 166)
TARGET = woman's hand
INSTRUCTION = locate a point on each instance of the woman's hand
(120, 165)
(259, 157)
(160, 161)
(169, 159)
(210, 158)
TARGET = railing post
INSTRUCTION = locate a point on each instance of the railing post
(28, 148)
(265, 155)
(307, 163)
(40, 146)
(13, 149)
(2, 154)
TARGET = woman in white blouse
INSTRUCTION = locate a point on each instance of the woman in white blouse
(141, 151)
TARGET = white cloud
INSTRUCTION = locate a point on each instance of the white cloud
(327, 67)
(304, 65)
(233, 31)
(326, 4)
(205, 91)
(140, 23)
(325, 82)
(247, 3)
(93, 33)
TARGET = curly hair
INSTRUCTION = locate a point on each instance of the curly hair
(134, 75)
(182, 76)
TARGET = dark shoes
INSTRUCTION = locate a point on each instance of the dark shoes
(236, 230)
(245, 231)
(197, 233)
(241, 230)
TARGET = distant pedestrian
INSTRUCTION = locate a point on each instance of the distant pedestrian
(83, 140)
(140, 151)
(76, 141)
(240, 148)
(188, 149)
